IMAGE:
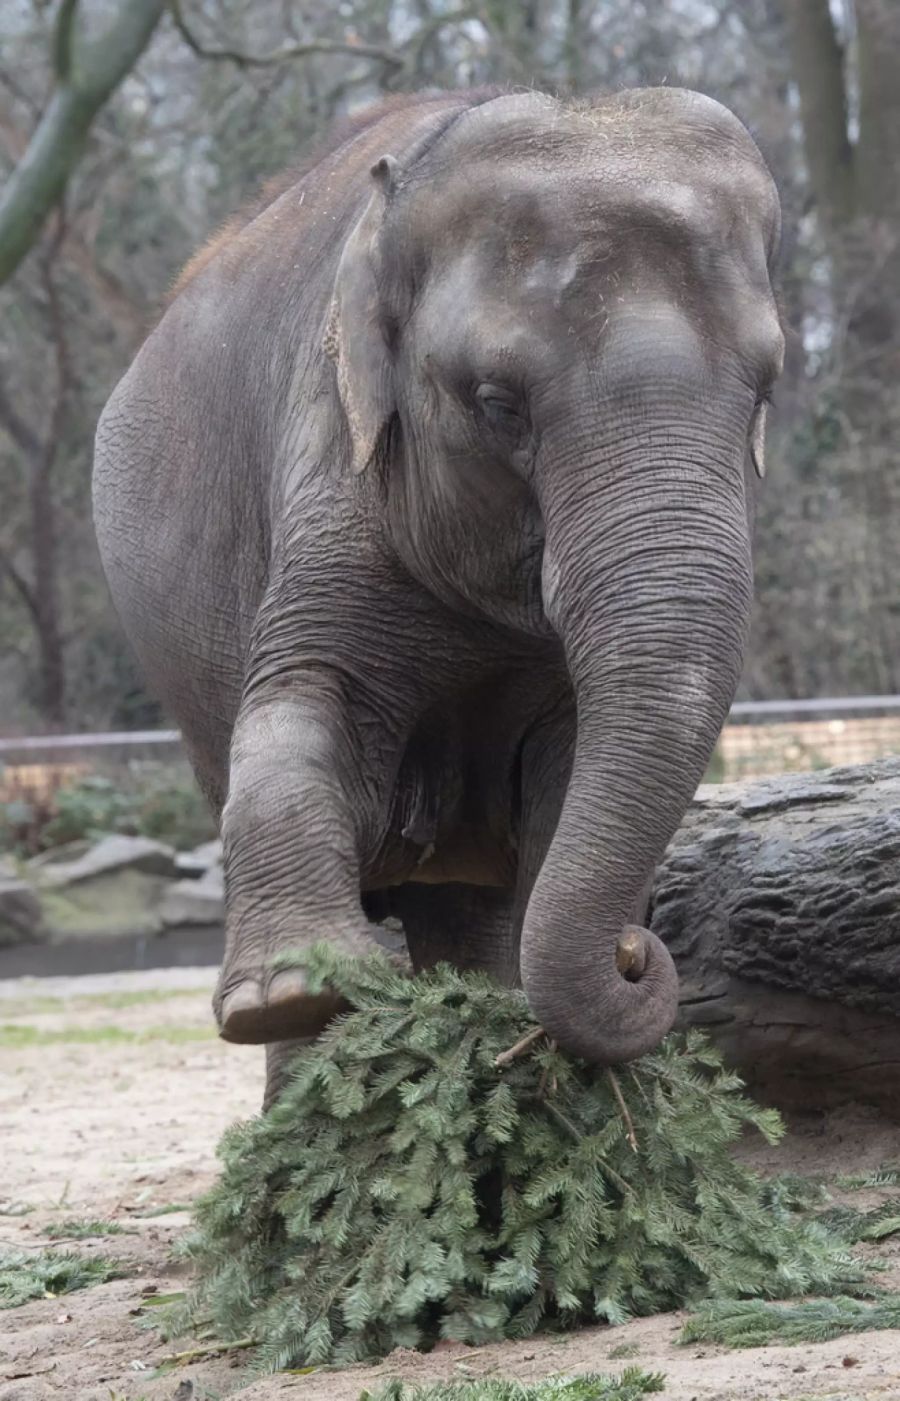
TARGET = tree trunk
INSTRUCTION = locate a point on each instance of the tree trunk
(780, 903)
(855, 182)
(818, 63)
(46, 595)
(88, 71)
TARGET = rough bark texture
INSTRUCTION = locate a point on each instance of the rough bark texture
(780, 902)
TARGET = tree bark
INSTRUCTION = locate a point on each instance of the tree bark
(818, 64)
(878, 55)
(780, 903)
(87, 73)
(40, 592)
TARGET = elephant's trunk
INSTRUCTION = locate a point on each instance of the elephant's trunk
(647, 580)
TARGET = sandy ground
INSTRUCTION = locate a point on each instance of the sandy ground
(113, 1093)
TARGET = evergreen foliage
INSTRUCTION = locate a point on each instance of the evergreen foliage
(83, 1229)
(756, 1323)
(630, 1386)
(37, 1274)
(405, 1189)
(854, 1226)
(885, 1176)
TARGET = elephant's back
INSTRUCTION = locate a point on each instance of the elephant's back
(204, 403)
(191, 441)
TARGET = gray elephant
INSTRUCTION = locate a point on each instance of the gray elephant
(427, 509)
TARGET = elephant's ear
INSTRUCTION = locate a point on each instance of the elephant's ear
(355, 338)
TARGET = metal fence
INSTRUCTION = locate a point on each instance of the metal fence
(772, 737)
(33, 768)
(761, 738)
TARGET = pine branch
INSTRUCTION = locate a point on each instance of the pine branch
(633, 1384)
(49, 1272)
(753, 1323)
(406, 1187)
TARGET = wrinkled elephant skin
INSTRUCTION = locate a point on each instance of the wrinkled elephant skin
(427, 509)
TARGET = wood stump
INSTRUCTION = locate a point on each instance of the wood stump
(780, 902)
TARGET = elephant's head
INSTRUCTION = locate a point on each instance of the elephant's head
(556, 337)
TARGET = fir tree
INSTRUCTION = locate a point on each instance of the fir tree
(406, 1188)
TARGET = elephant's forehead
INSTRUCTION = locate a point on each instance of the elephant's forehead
(522, 214)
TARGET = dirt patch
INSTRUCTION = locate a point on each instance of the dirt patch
(112, 1104)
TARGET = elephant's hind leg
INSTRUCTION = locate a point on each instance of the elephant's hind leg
(468, 926)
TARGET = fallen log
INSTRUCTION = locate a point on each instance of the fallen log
(780, 902)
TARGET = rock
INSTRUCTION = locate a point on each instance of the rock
(111, 890)
(191, 865)
(119, 903)
(21, 918)
(195, 901)
(60, 855)
(109, 854)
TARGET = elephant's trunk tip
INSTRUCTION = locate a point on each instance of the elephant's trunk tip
(631, 953)
(629, 1013)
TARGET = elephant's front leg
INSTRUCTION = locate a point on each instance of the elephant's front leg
(292, 830)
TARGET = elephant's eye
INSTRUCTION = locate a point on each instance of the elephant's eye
(500, 407)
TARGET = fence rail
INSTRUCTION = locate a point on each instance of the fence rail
(124, 738)
(760, 738)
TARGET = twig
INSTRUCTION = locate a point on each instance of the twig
(49, 1243)
(314, 46)
(507, 1057)
(562, 1120)
(542, 1083)
(207, 1350)
(623, 1107)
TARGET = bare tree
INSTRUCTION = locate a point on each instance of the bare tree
(38, 584)
(86, 73)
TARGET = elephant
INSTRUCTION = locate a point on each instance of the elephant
(427, 510)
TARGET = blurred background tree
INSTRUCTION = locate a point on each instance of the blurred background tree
(179, 118)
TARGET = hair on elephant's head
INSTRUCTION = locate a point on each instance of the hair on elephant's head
(564, 316)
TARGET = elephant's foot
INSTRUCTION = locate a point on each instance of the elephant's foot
(258, 1010)
(256, 1003)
